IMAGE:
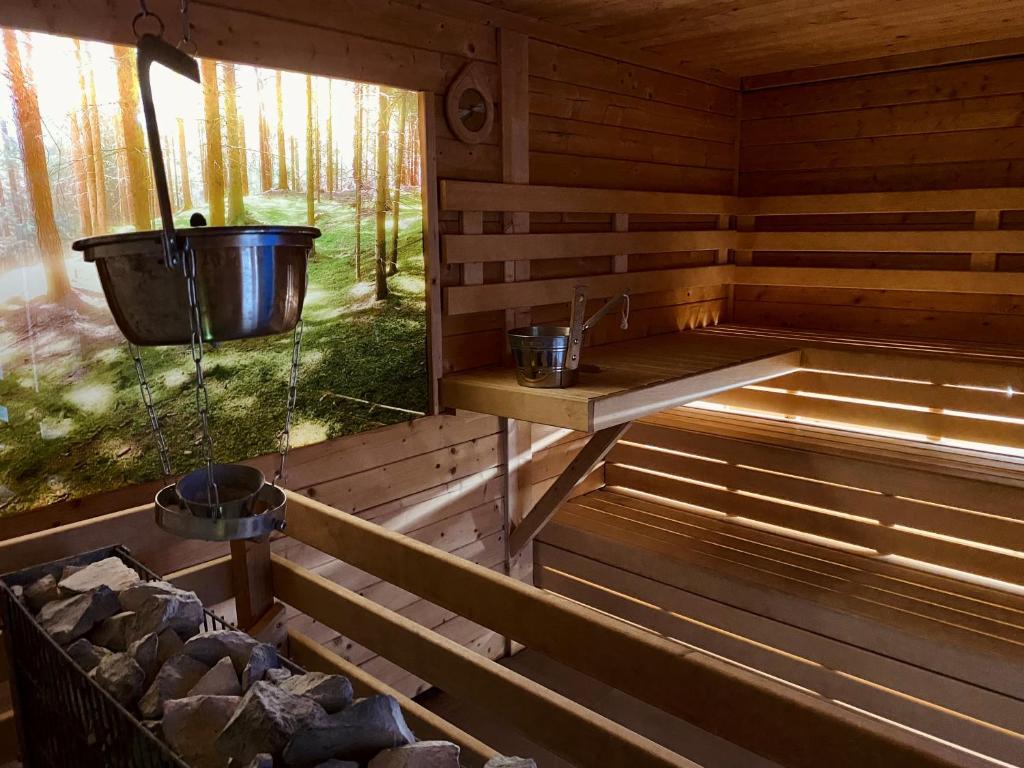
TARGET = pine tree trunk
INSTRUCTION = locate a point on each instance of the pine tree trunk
(243, 157)
(214, 151)
(330, 141)
(381, 197)
(396, 203)
(236, 202)
(81, 179)
(282, 168)
(172, 176)
(87, 139)
(136, 156)
(101, 174)
(310, 161)
(123, 190)
(357, 179)
(186, 182)
(30, 130)
(203, 163)
(295, 163)
(266, 170)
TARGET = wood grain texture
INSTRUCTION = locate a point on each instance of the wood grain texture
(765, 37)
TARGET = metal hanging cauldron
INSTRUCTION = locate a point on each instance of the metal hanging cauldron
(198, 285)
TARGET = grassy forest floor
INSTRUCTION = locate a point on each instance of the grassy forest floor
(85, 430)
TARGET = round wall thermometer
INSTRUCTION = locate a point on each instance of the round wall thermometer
(469, 106)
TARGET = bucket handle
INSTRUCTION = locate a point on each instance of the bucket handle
(609, 305)
(150, 50)
(577, 325)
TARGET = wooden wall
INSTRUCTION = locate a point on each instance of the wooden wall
(957, 126)
(591, 118)
(593, 122)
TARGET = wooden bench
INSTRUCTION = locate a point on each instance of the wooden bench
(885, 575)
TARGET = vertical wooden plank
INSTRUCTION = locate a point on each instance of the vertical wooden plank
(985, 220)
(513, 61)
(250, 576)
(431, 243)
(724, 222)
(620, 223)
(472, 223)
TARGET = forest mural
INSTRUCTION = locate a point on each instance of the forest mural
(249, 146)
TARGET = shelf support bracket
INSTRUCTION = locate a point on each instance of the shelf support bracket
(590, 456)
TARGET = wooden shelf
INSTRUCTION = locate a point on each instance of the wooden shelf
(627, 380)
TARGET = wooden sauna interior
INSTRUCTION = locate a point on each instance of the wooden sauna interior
(779, 521)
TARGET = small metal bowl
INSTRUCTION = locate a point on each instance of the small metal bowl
(237, 488)
(250, 281)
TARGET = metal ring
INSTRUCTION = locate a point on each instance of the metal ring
(142, 15)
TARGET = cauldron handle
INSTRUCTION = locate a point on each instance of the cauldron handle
(151, 50)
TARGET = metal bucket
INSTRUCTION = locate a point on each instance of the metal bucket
(548, 356)
(237, 487)
(541, 353)
(251, 281)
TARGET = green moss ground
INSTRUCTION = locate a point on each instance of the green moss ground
(354, 349)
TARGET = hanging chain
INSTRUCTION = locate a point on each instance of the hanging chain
(145, 13)
(154, 421)
(196, 346)
(293, 394)
(186, 44)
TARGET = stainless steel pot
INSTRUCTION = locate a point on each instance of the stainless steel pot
(251, 281)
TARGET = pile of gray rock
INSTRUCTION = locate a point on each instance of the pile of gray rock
(220, 698)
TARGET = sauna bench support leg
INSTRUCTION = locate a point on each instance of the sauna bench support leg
(589, 457)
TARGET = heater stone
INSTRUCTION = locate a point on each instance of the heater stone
(135, 596)
(262, 658)
(211, 647)
(278, 675)
(359, 733)
(181, 612)
(40, 592)
(191, 726)
(144, 652)
(174, 680)
(221, 680)
(112, 632)
(332, 692)
(121, 677)
(422, 754)
(69, 619)
(510, 762)
(110, 572)
(85, 654)
(265, 721)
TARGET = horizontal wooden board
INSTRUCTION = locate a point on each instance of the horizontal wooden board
(560, 99)
(461, 300)
(460, 195)
(883, 279)
(461, 249)
(935, 241)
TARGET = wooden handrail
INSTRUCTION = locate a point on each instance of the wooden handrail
(726, 700)
(550, 719)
